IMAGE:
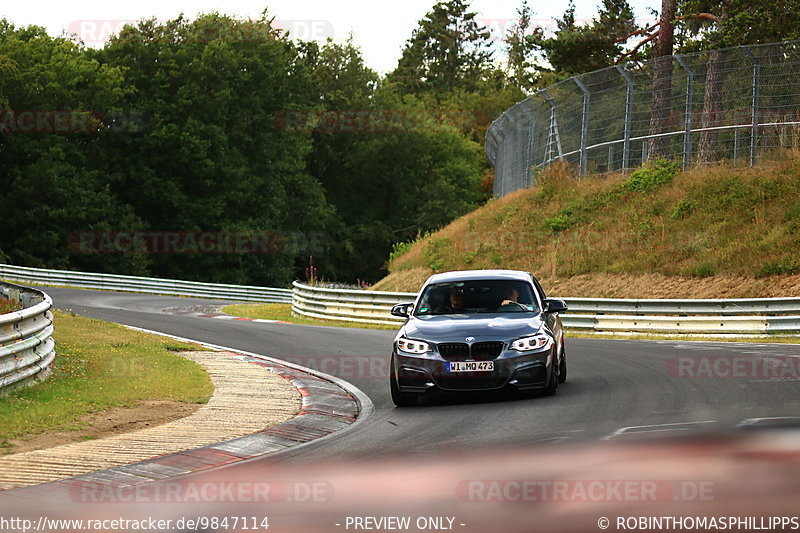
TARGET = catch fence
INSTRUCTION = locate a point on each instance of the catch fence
(738, 104)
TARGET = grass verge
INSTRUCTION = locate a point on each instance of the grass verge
(283, 312)
(99, 366)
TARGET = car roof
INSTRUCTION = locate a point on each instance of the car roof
(465, 275)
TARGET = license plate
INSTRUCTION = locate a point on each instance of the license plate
(470, 366)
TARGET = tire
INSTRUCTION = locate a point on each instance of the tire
(552, 383)
(401, 399)
(562, 366)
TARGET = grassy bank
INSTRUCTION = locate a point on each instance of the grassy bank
(101, 366)
(283, 312)
(660, 233)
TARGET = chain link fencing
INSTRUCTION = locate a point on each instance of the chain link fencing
(739, 105)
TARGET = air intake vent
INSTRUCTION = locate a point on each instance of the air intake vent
(480, 351)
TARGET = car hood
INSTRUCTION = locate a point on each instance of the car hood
(456, 328)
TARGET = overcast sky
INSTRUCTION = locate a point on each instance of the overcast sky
(380, 27)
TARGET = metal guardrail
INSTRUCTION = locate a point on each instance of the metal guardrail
(26, 345)
(114, 282)
(372, 307)
(729, 316)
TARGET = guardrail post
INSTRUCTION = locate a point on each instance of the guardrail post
(687, 121)
(626, 143)
(755, 106)
(584, 125)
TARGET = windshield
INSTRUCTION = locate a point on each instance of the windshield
(477, 296)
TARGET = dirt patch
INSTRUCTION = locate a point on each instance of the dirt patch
(106, 423)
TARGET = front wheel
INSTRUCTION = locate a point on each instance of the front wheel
(401, 399)
(562, 366)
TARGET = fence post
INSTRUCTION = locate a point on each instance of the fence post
(529, 151)
(553, 128)
(584, 125)
(626, 143)
(756, 82)
(687, 121)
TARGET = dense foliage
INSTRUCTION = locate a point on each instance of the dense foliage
(222, 128)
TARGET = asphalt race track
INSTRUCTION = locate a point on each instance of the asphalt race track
(615, 388)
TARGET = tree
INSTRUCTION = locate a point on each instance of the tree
(709, 25)
(392, 164)
(662, 78)
(214, 154)
(341, 79)
(714, 24)
(577, 49)
(53, 183)
(521, 43)
(415, 175)
(448, 50)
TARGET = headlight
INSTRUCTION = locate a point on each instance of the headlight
(534, 342)
(417, 347)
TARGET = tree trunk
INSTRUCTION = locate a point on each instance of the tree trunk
(662, 79)
(712, 101)
(712, 108)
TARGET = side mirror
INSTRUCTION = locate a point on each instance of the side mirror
(401, 310)
(551, 305)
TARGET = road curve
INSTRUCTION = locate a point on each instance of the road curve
(615, 387)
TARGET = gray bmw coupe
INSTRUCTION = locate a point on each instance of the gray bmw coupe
(478, 330)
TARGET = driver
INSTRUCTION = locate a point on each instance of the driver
(510, 295)
(455, 303)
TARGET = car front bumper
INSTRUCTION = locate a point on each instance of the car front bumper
(521, 371)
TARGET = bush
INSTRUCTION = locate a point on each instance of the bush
(560, 222)
(652, 175)
(399, 248)
(777, 268)
(704, 270)
(434, 253)
(682, 209)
